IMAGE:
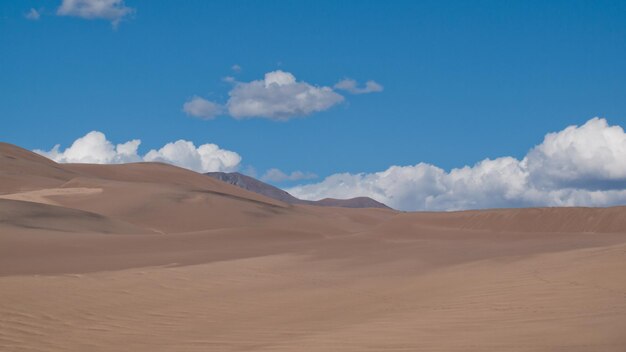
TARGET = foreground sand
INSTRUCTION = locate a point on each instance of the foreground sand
(148, 257)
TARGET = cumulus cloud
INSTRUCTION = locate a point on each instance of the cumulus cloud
(202, 108)
(580, 165)
(32, 15)
(279, 96)
(204, 158)
(95, 148)
(276, 175)
(111, 10)
(351, 86)
(592, 156)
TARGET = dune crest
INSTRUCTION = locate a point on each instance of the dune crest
(44, 195)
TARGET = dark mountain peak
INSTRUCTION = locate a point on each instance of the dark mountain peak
(254, 185)
(357, 202)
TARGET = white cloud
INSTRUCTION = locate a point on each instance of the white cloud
(33, 15)
(592, 156)
(276, 175)
(236, 68)
(204, 158)
(580, 165)
(111, 10)
(95, 148)
(351, 86)
(279, 97)
(202, 108)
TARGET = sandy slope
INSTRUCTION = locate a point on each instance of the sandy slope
(44, 195)
(149, 257)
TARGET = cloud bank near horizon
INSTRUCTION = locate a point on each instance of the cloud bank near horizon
(277, 176)
(95, 148)
(578, 166)
(279, 96)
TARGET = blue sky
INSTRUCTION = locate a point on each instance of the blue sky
(463, 80)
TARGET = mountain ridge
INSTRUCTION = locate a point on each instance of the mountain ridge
(252, 184)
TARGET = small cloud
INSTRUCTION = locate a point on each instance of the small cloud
(351, 86)
(202, 108)
(111, 10)
(32, 15)
(279, 96)
(275, 175)
(236, 68)
(250, 171)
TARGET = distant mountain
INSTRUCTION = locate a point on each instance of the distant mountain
(254, 185)
(358, 202)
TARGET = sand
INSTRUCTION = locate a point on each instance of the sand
(44, 195)
(150, 257)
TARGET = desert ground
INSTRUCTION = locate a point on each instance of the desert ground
(151, 257)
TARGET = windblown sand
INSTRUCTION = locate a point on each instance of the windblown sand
(149, 257)
(44, 195)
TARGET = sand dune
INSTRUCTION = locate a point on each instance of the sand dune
(151, 257)
(593, 220)
(21, 170)
(45, 195)
(42, 216)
